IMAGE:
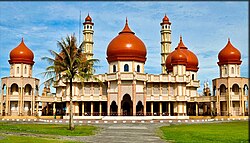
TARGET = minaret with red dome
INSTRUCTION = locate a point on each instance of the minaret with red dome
(192, 61)
(21, 61)
(126, 52)
(21, 87)
(88, 37)
(229, 61)
(165, 41)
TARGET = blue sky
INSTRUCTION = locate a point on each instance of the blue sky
(204, 26)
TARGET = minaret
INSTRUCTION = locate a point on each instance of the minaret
(229, 61)
(88, 37)
(165, 41)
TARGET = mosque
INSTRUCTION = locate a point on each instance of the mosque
(127, 90)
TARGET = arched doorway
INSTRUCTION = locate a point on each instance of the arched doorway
(127, 105)
(113, 109)
(139, 109)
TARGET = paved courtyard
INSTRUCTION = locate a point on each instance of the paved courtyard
(124, 133)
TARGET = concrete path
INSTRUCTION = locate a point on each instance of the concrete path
(125, 133)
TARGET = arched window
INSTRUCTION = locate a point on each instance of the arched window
(25, 70)
(232, 70)
(14, 89)
(90, 27)
(126, 68)
(222, 90)
(192, 76)
(17, 70)
(245, 90)
(114, 68)
(169, 27)
(235, 88)
(87, 27)
(225, 70)
(27, 89)
(238, 70)
(166, 26)
(138, 68)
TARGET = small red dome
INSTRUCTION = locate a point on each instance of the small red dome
(88, 20)
(192, 60)
(178, 57)
(21, 54)
(165, 20)
(126, 47)
(229, 55)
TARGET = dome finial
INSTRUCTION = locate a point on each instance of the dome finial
(22, 39)
(180, 38)
(228, 39)
(126, 20)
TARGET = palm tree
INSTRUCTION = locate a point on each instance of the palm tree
(71, 63)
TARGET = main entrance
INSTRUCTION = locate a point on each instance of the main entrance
(127, 105)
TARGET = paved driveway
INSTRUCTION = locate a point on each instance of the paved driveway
(126, 133)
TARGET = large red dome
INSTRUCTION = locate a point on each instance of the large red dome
(126, 47)
(192, 60)
(178, 57)
(229, 55)
(21, 54)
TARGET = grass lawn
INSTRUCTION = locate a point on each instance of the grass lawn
(226, 132)
(52, 129)
(23, 139)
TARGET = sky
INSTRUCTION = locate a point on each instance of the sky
(205, 28)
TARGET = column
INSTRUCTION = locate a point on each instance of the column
(7, 102)
(22, 101)
(108, 100)
(134, 97)
(229, 101)
(83, 109)
(33, 102)
(54, 109)
(196, 109)
(144, 99)
(100, 108)
(169, 112)
(160, 108)
(218, 103)
(47, 109)
(119, 97)
(37, 105)
(152, 109)
(92, 107)
(242, 102)
(211, 108)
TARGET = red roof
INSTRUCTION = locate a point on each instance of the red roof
(126, 46)
(165, 20)
(192, 60)
(88, 20)
(21, 54)
(229, 55)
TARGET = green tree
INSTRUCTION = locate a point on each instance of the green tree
(70, 64)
